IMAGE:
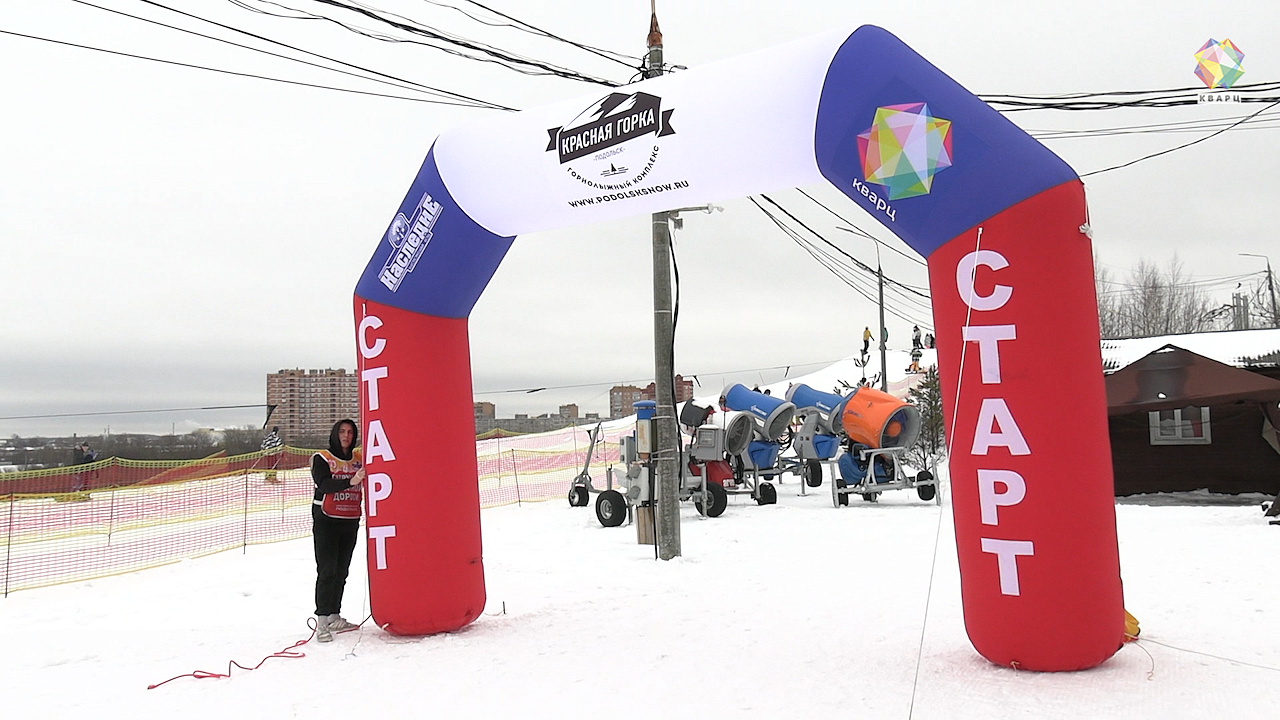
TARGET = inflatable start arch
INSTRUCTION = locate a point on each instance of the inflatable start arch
(999, 217)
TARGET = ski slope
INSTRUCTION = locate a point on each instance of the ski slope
(797, 610)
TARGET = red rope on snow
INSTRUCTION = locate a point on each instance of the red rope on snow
(290, 653)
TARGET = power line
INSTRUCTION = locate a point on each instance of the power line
(494, 55)
(862, 232)
(862, 284)
(231, 72)
(246, 47)
(1122, 98)
(837, 268)
(1179, 147)
(445, 93)
(1248, 87)
(866, 268)
(607, 54)
(1201, 284)
(1152, 128)
(530, 390)
(132, 412)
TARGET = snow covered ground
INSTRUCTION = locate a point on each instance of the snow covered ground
(797, 610)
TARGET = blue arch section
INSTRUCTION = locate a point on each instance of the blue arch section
(995, 164)
(433, 258)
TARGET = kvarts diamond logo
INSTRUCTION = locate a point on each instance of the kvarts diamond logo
(603, 148)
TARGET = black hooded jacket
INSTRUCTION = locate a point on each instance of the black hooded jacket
(326, 484)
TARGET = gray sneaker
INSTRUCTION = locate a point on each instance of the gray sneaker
(336, 624)
(323, 632)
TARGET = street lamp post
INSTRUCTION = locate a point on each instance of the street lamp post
(1271, 286)
(884, 365)
(884, 332)
(667, 448)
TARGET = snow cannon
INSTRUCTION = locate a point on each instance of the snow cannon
(772, 414)
(715, 434)
(879, 420)
(830, 405)
(738, 429)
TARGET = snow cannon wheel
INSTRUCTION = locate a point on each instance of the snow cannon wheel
(926, 492)
(811, 473)
(766, 494)
(841, 498)
(579, 496)
(717, 500)
(611, 508)
(871, 497)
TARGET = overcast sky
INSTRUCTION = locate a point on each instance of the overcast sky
(168, 236)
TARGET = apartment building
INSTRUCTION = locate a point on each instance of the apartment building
(308, 402)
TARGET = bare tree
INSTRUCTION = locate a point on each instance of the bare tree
(1108, 302)
(1154, 301)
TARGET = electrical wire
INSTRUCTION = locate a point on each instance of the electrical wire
(246, 47)
(1152, 128)
(1123, 98)
(1250, 87)
(861, 232)
(443, 93)
(859, 263)
(132, 412)
(860, 283)
(1180, 147)
(617, 57)
(480, 52)
(1200, 284)
(639, 380)
(231, 72)
(841, 271)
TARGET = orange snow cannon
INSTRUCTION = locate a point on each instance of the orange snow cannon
(879, 420)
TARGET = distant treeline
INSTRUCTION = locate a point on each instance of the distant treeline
(58, 451)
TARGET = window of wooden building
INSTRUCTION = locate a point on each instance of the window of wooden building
(1183, 426)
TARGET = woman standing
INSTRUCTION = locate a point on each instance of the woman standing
(335, 522)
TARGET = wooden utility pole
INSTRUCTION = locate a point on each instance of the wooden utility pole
(1275, 314)
(666, 448)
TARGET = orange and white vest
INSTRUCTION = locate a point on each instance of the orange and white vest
(344, 504)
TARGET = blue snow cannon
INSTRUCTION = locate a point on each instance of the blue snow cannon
(830, 405)
(772, 414)
(763, 454)
(853, 468)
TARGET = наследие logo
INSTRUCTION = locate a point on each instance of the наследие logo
(1218, 64)
(408, 236)
(593, 146)
(904, 148)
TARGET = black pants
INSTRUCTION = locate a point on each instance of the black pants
(335, 541)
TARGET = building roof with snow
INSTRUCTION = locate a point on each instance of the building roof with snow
(1238, 348)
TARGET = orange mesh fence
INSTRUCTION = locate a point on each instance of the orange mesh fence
(114, 516)
(119, 472)
(543, 466)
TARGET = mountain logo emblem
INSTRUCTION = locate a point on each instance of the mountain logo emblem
(594, 146)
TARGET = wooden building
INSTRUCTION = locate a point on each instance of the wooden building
(1180, 421)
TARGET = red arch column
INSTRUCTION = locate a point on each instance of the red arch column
(1032, 493)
